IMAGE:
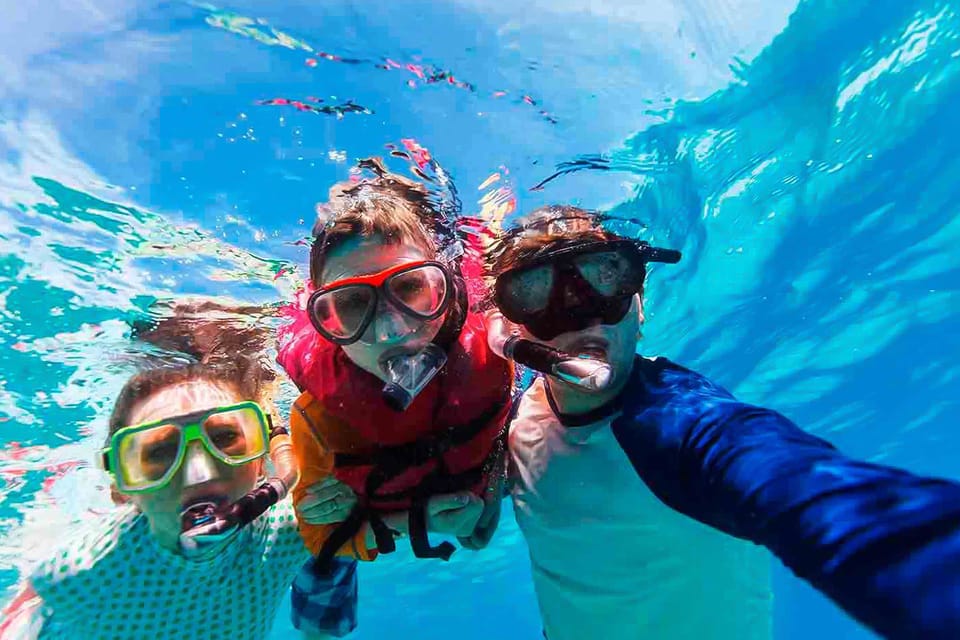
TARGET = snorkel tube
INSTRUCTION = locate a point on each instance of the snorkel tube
(590, 374)
(206, 522)
(407, 375)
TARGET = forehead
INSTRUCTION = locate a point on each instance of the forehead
(361, 256)
(182, 398)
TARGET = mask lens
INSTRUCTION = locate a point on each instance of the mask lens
(610, 273)
(421, 291)
(572, 291)
(147, 457)
(236, 435)
(527, 291)
(342, 313)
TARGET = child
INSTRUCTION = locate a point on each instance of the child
(181, 437)
(384, 450)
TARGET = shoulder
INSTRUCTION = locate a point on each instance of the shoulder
(89, 545)
(309, 414)
(281, 517)
(658, 376)
(283, 534)
(305, 412)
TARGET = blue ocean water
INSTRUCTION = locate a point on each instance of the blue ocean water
(803, 156)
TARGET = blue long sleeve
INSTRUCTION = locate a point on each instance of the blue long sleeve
(882, 543)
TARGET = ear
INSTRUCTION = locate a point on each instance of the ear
(640, 317)
(639, 302)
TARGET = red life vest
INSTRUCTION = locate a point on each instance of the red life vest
(440, 444)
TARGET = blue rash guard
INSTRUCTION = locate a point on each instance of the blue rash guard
(882, 543)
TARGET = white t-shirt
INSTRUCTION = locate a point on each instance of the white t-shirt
(114, 582)
(609, 560)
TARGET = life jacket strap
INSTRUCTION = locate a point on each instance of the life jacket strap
(419, 540)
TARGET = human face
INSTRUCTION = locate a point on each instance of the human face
(615, 344)
(201, 477)
(392, 332)
(566, 288)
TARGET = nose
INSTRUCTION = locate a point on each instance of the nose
(572, 294)
(391, 325)
(199, 466)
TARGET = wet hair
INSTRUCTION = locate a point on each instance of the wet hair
(543, 230)
(387, 205)
(223, 345)
(149, 382)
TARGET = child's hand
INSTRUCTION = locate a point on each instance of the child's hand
(327, 502)
(455, 514)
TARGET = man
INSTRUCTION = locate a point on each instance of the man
(611, 561)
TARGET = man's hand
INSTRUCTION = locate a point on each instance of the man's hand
(454, 514)
(499, 330)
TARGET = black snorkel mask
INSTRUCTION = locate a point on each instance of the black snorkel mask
(571, 288)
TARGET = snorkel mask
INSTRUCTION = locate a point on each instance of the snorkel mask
(144, 458)
(567, 289)
(564, 290)
(343, 310)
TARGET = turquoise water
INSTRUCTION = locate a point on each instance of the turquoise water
(802, 156)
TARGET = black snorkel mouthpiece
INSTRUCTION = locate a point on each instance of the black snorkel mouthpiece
(207, 525)
(209, 519)
(407, 375)
(590, 374)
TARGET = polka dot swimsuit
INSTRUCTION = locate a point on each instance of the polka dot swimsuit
(116, 583)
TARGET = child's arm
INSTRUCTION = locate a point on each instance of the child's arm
(22, 618)
(330, 502)
(316, 464)
(445, 514)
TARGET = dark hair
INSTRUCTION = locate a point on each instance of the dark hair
(227, 346)
(389, 205)
(545, 229)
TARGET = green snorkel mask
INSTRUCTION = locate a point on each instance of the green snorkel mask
(143, 458)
